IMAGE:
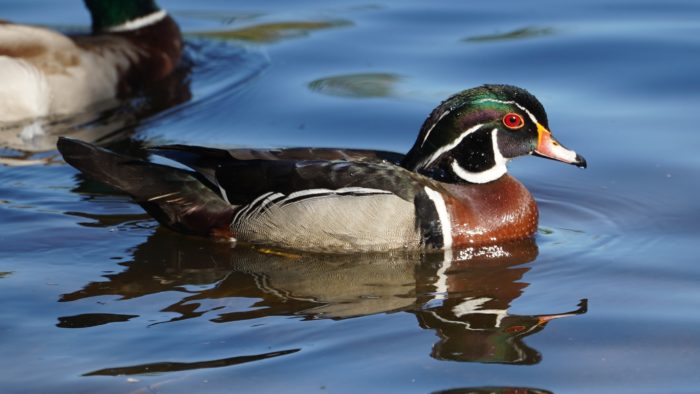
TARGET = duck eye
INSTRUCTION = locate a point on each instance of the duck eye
(513, 121)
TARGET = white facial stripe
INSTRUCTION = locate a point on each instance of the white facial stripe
(496, 151)
(443, 215)
(140, 22)
(532, 117)
(433, 126)
(493, 173)
(451, 146)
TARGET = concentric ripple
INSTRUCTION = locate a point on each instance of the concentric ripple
(588, 221)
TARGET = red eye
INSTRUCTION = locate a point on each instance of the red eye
(513, 121)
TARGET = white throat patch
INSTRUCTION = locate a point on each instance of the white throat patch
(493, 173)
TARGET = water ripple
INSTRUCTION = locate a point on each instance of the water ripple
(588, 221)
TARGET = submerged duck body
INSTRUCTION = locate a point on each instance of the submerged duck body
(47, 73)
(450, 190)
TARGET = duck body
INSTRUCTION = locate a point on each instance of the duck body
(47, 73)
(357, 200)
(333, 200)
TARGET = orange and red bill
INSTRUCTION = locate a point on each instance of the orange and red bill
(550, 148)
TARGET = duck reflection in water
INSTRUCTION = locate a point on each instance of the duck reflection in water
(109, 127)
(464, 299)
(470, 312)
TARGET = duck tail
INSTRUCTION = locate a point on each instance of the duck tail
(179, 199)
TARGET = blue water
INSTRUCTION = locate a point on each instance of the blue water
(96, 297)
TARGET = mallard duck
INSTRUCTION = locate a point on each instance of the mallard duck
(46, 73)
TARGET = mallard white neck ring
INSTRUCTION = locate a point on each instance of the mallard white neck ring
(139, 22)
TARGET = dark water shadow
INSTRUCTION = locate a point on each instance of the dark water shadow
(166, 366)
(517, 34)
(463, 298)
(92, 319)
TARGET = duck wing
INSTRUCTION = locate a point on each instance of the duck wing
(244, 174)
(340, 205)
(315, 205)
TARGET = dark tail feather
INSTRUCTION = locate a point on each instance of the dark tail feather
(203, 160)
(195, 156)
(176, 198)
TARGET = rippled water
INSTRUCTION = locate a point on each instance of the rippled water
(97, 298)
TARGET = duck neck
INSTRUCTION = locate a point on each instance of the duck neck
(473, 158)
(123, 15)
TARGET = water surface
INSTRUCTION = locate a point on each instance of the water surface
(96, 297)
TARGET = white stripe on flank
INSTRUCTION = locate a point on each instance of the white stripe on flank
(139, 22)
(223, 193)
(489, 175)
(532, 117)
(162, 196)
(275, 198)
(263, 204)
(243, 211)
(451, 146)
(443, 215)
(352, 189)
(433, 126)
(446, 228)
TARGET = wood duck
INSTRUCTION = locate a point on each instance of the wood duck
(451, 189)
(44, 73)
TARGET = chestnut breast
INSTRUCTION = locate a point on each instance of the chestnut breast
(497, 211)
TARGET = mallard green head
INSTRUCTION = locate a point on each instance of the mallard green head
(121, 15)
(472, 135)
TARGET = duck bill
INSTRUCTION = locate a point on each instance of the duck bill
(550, 148)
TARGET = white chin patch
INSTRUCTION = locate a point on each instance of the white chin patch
(498, 170)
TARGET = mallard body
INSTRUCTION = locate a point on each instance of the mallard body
(46, 73)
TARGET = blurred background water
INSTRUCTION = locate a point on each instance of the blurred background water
(97, 298)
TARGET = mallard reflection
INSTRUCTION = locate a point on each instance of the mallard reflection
(465, 298)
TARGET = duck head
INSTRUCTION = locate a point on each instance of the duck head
(472, 135)
(108, 14)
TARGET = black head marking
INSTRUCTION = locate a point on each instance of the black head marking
(468, 128)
